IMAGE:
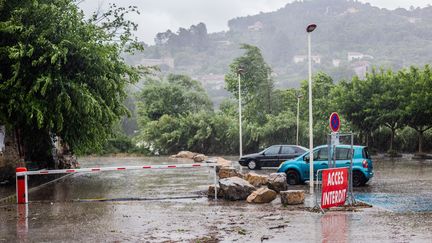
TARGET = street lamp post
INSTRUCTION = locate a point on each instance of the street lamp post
(299, 96)
(309, 30)
(239, 72)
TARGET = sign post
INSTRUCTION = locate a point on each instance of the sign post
(334, 187)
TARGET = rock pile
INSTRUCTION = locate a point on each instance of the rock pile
(235, 188)
(256, 180)
(227, 172)
(277, 182)
(184, 155)
(254, 188)
(197, 157)
(211, 192)
(262, 195)
(292, 197)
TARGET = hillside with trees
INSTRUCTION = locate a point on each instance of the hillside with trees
(367, 63)
(351, 38)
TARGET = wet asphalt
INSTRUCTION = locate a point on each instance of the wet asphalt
(170, 206)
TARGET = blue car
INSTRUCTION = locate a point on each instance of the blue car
(297, 170)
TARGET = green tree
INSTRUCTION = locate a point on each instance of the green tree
(256, 83)
(354, 101)
(176, 95)
(418, 86)
(62, 74)
(204, 132)
(388, 102)
(322, 86)
(173, 114)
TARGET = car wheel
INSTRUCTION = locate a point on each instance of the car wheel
(252, 165)
(293, 177)
(358, 178)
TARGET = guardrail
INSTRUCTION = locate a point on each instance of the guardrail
(22, 174)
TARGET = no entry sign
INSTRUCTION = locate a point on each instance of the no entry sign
(334, 187)
(334, 122)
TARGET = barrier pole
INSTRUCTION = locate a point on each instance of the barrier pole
(21, 186)
(22, 174)
(22, 222)
(215, 182)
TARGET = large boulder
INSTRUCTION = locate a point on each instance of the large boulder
(277, 182)
(184, 155)
(255, 179)
(292, 197)
(235, 188)
(211, 192)
(221, 162)
(199, 158)
(227, 172)
(262, 195)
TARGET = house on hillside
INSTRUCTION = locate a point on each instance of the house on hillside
(413, 20)
(256, 27)
(158, 62)
(223, 43)
(215, 81)
(303, 58)
(361, 68)
(316, 59)
(352, 56)
(336, 62)
(299, 58)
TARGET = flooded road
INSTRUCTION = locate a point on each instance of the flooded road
(168, 206)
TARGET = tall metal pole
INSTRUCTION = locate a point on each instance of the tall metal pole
(311, 159)
(298, 108)
(240, 115)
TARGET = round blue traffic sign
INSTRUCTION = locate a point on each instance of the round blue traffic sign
(334, 122)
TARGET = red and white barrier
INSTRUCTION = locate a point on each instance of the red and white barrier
(22, 173)
(21, 185)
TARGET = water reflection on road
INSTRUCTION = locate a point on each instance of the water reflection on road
(128, 184)
(400, 185)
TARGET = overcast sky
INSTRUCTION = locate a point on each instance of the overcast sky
(160, 15)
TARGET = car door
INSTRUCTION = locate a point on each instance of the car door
(343, 157)
(286, 153)
(321, 160)
(271, 156)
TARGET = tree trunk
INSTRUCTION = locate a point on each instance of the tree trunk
(393, 130)
(420, 141)
(367, 138)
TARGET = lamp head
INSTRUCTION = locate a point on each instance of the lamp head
(311, 28)
(299, 95)
(240, 70)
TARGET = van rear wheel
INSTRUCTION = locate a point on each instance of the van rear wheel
(293, 177)
(358, 178)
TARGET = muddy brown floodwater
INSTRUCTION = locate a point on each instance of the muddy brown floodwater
(169, 206)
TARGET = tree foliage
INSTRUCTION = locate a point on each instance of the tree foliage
(256, 83)
(388, 99)
(417, 92)
(62, 74)
(176, 95)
